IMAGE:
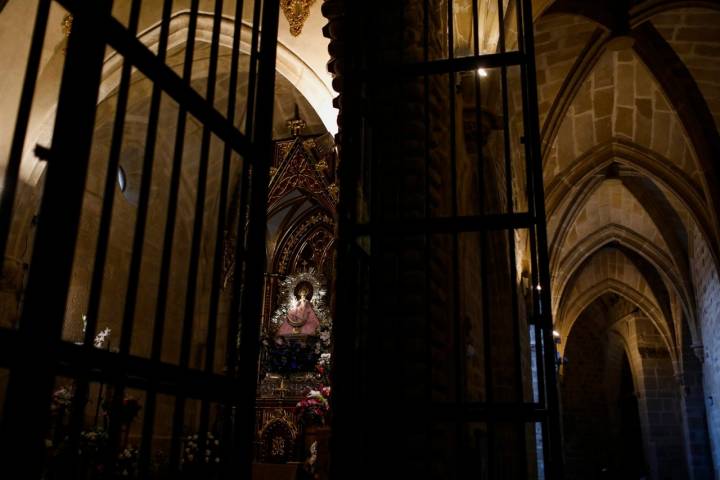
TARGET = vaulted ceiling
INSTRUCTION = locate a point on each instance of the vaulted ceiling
(629, 111)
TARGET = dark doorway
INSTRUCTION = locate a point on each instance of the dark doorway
(632, 458)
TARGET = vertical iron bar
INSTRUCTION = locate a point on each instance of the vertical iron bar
(234, 431)
(31, 379)
(255, 265)
(179, 413)
(520, 422)
(456, 321)
(428, 236)
(226, 470)
(199, 219)
(531, 233)
(32, 69)
(158, 326)
(555, 435)
(538, 329)
(487, 344)
(138, 244)
(103, 239)
(252, 75)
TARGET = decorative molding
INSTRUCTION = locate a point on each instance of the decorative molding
(296, 12)
(66, 24)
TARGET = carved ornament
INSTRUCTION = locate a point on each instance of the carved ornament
(296, 12)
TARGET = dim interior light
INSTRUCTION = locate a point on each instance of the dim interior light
(482, 72)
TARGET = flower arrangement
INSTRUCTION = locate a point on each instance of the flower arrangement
(93, 442)
(313, 409)
(193, 454)
(101, 338)
(127, 462)
(61, 400)
(322, 369)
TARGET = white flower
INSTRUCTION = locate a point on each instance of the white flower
(101, 337)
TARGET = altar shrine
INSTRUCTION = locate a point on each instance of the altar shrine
(292, 428)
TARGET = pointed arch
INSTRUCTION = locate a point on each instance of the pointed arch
(567, 318)
(613, 233)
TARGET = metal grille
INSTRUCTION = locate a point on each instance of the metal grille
(441, 180)
(36, 352)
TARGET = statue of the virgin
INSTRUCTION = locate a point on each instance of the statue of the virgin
(301, 319)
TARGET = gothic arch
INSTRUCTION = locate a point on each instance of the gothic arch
(680, 90)
(567, 318)
(569, 191)
(610, 234)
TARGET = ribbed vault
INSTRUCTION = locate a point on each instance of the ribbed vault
(629, 105)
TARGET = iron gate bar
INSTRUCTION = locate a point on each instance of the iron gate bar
(252, 75)
(198, 226)
(155, 70)
(379, 228)
(517, 338)
(138, 246)
(89, 364)
(232, 434)
(532, 233)
(168, 240)
(534, 257)
(233, 429)
(440, 225)
(227, 399)
(26, 415)
(555, 435)
(219, 253)
(459, 64)
(495, 412)
(140, 373)
(186, 331)
(12, 170)
(458, 359)
(251, 307)
(98, 273)
(426, 190)
(427, 213)
(487, 344)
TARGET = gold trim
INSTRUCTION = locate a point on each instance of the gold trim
(296, 12)
(67, 22)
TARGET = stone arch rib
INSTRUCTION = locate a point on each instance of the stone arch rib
(684, 95)
(660, 260)
(568, 316)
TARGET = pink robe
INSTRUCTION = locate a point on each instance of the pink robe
(302, 313)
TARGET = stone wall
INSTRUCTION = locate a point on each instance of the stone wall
(707, 288)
